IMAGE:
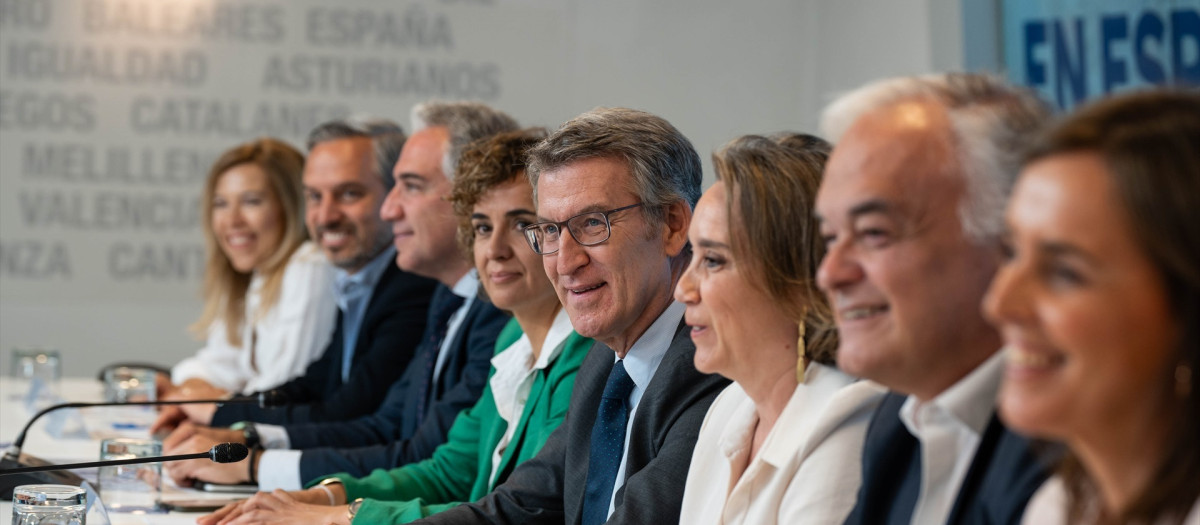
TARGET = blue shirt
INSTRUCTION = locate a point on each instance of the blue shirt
(353, 293)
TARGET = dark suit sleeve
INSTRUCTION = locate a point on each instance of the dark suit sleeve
(392, 329)
(381, 441)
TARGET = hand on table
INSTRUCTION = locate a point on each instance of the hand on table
(172, 416)
(185, 472)
(301, 507)
(188, 429)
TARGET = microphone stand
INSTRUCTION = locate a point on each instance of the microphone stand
(23, 469)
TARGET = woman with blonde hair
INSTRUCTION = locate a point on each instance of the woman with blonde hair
(268, 293)
(782, 443)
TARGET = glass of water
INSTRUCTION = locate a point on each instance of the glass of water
(129, 384)
(130, 488)
(36, 371)
(49, 505)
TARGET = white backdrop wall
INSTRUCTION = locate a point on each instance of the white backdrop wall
(111, 111)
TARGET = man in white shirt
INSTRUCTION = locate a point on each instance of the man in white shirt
(614, 192)
(911, 206)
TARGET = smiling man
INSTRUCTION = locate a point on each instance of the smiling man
(911, 208)
(381, 309)
(614, 191)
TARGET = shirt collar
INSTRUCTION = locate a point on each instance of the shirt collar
(467, 286)
(647, 352)
(971, 400)
(516, 356)
(346, 285)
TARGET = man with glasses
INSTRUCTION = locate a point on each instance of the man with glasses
(622, 184)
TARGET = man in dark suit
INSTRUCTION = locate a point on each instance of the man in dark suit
(615, 190)
(912, 206)
(451, 364)
(381, 309)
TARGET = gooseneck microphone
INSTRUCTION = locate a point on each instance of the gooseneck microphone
(266, 399)
(30, 469)
(220, 453)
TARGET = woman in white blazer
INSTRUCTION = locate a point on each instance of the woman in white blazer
(782, 444)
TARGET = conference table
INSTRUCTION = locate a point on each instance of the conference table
(75, 438)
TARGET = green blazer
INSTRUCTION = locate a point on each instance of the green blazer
(460, 468)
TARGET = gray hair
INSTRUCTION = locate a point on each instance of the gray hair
(466, 123)
(664, 165)
(992, 123)
(387, 139)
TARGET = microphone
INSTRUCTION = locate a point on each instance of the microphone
(13, 458)
(220, 453)
(265, 399)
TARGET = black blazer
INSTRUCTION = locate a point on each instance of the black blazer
(387, 340)
(549, 487)
(1004, 474)
(392, 435)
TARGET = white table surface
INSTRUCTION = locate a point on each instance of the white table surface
(78, 448)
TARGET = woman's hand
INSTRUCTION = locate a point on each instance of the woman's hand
(279, 507)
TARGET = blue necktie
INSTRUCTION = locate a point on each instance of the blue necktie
(441, 309)
(608, 443)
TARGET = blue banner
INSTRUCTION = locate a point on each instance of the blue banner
(1074, 50)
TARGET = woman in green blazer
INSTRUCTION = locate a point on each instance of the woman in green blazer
(529, 389)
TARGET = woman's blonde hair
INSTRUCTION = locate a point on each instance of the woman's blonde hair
(770, 188)
(224, 289)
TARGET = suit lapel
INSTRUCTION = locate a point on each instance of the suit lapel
(535, 394)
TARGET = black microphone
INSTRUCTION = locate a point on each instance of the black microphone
(14, 459)
(220, 453)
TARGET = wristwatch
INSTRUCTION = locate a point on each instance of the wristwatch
(249, 433)
(354, 506)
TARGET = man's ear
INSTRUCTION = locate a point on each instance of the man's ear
(675, 227)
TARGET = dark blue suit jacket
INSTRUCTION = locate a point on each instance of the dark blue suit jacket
(1002, 477)
(391, 331)
(393, 436)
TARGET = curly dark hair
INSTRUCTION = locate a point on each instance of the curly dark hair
(485, 164)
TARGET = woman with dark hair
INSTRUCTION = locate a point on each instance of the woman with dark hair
(268, 293)
(782, 443)
(1099, 304)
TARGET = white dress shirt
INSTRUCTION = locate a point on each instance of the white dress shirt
(641, 362)
(1049, 506)
(808, 470)
(515, 372)
(949, 428)
(286, 338)
(280, 469)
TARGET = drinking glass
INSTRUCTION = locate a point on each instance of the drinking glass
(130, 488)
(127, 384)
(36, 372)
(49, 505)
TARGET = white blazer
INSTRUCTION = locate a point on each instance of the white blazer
(808, 470)
(291, 335)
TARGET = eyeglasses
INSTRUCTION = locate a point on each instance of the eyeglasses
(588, 229)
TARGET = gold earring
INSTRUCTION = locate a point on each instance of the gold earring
(1183, 380)
(801, 352)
